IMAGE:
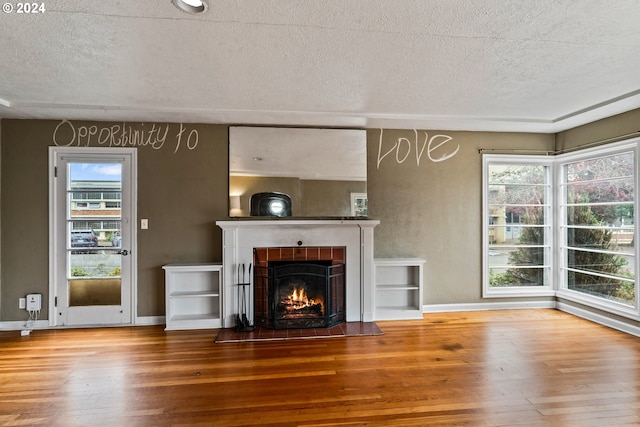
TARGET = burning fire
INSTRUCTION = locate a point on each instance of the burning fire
(298, 300)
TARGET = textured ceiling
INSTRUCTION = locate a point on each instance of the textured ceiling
(541, 66)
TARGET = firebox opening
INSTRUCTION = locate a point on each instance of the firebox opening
(300, 294)
(299, 299)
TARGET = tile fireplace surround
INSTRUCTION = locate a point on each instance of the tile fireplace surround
(240, 237)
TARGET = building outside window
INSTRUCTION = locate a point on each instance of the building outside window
(99, 204)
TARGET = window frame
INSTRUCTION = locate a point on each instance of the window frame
(563, 290)
(557, 285)
(519, 291)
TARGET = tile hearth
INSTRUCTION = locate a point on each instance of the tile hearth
(348, 329)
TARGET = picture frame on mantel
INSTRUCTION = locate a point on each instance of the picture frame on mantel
(359, 205)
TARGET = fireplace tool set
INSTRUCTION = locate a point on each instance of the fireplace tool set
(242, 321)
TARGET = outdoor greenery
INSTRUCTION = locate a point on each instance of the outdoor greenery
(100, 270)
(599, 262)
(526, 256)
(78, 272)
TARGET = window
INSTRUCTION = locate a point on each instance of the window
(111, 196)
(111, 225)
(517, 226)
(597, 225)
(87, 205)
(563, 225)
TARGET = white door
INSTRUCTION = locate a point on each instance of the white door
(92, 236)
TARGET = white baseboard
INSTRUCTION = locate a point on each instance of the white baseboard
(150, 320)
(567, 308)
(515, 305)
(622, 326)
(599, 318)
(18, 325)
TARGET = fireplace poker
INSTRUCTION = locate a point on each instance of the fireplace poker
(244, 300)
(245, 320)
(242, 321)
(239, 325)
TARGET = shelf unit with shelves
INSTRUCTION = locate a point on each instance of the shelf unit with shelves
(193, 296)
(398, 288)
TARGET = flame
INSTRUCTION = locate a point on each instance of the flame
(298, 300)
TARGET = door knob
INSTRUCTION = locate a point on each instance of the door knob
(123, 252)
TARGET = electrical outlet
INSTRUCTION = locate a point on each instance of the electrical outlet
(22, 303)
(144, 224)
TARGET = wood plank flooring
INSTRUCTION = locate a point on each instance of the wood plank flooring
(496, 368)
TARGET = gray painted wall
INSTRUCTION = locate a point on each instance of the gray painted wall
(182, 193)
(433, 210)
(428, 208)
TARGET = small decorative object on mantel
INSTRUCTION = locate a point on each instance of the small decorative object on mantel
(242, 322)
(270, 204)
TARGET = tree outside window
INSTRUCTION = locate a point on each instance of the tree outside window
(600, 254)
(518, 225)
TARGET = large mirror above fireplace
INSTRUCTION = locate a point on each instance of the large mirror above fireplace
(323, 172)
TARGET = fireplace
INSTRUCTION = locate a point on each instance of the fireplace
(299, 295)
(299, 287)
(351, 243)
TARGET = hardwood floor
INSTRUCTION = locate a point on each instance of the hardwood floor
(497, 368)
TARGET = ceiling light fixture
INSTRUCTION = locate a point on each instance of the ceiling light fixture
(191, 6)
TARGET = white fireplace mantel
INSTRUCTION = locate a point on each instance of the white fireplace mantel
(240, 237)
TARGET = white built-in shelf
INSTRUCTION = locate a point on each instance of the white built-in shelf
(398, 284)
(193, 299)
(194, 294)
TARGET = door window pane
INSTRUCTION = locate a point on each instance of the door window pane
(94, 224)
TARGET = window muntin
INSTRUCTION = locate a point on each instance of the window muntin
(599, 227)
(517, 226)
